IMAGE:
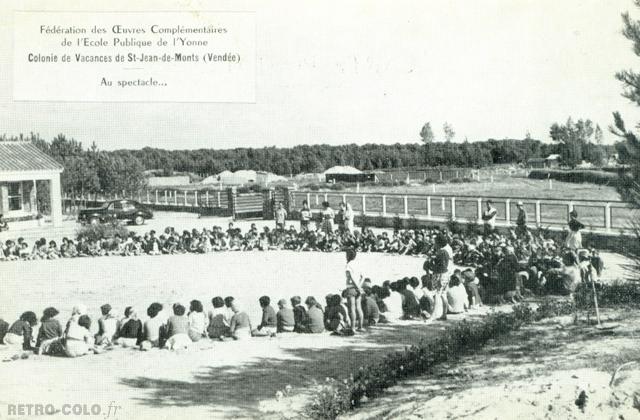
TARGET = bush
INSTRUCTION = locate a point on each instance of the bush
(467, 179)
(338, 186)
(102, 231)
(314, 187)
(456, 180)
(429, 181)
(613, 294)
(577, 176)
(336, 398)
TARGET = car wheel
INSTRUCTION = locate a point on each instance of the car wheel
(138, 220)
(94, 221)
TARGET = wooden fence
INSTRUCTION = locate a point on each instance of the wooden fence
(597, 215)
(602, 216)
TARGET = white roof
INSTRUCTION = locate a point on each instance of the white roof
(553, 156)
(342, 170)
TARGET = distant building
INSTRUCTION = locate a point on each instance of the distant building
(165, 181)
(551, 161)
(21, 166)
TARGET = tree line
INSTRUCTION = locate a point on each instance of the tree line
(89, 170)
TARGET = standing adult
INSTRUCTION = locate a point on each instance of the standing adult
(281, 217)
(347, 217)
(353, 291)
(489, 218)
(442, 270)
(305, 216)
(327, 218)
(574, 238)
(521, 221)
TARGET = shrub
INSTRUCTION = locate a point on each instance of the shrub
(429, 180)
(467, 179)
(336, 397)
(577, 176)
(314, 187)
(338, 186)
(456, 180)
(102, 231)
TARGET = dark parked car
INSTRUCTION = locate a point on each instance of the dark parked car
(124, 210)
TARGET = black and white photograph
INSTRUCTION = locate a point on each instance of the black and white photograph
(367, 209)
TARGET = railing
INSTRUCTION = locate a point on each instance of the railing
(161, 197)
(596, 215)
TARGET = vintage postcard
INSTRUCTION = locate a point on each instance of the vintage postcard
(366, 209)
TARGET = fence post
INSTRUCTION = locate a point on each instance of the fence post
(309, 199)
(440, 175)
(429, 206)
(569, 209)
(185, 199)
(166, 200)
(384, 205)
(326, 197)
(364, 203)
(156, 194)
(538, 214)
(317, 201)
(219, 202)
(206, 198)
(507, 211)
(479, 210)
(344, 198)
(453, 208)
(175, 198)
(231, 201)
(405, 201)
(267, 204)
(195, 198)
(148, 197)
(607, 217)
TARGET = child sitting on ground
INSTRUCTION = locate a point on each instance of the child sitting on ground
(240, 326)
(20, 333)
(50, 330)
(108, 326)
(130, 333)
(198, 321)
(285, 317)
(299, 314)
(269, 324)
(218, 319)
(152, 327)
(177, 329)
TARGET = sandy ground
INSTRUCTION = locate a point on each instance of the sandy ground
(538, 372)
(218, 380)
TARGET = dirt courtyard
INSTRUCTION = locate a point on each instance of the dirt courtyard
(234, 379)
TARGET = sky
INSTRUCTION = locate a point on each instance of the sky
(368, 72)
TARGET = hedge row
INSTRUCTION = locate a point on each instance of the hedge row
(577, 176)
(335, 397)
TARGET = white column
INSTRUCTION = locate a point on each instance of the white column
(453, 208)
(195, 197)
(607, 216)
(405, 201)
(364, 203)
(56, 200)
(507, 211)
(156, 196)
(479, 210)
(428, 206)
(384, 205)
(538, 214)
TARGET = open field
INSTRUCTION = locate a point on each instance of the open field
(505, 186)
